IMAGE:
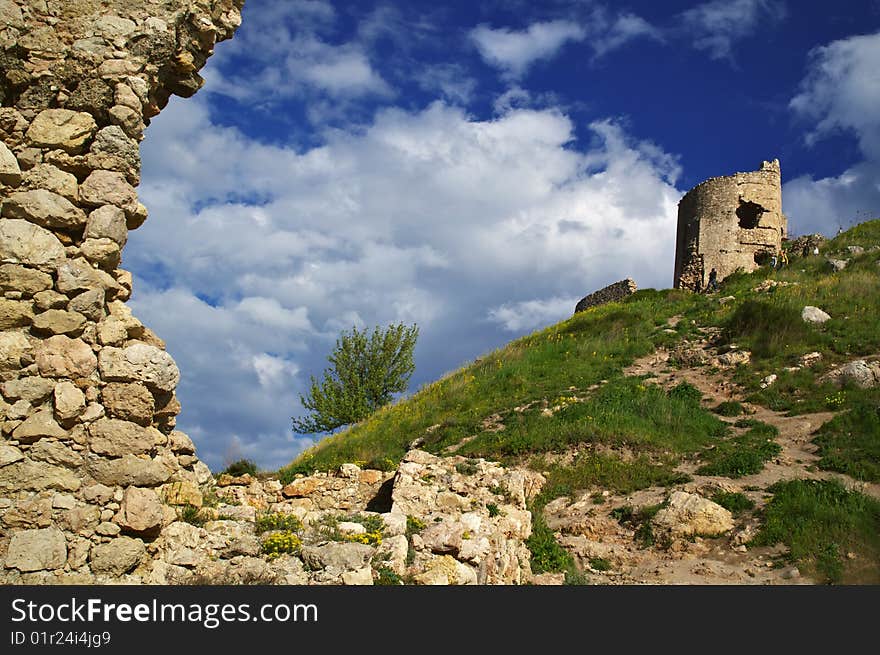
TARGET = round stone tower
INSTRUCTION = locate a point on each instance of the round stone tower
(728, 223)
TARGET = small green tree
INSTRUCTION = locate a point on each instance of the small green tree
(366, 370)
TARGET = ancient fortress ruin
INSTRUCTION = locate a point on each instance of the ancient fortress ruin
(728, 223)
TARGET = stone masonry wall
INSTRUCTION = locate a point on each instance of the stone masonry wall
(728, 223)
(90, 462)
(611, 293)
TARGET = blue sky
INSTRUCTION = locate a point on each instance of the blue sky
(471, 167)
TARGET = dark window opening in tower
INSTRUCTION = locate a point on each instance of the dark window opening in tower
(749, 214)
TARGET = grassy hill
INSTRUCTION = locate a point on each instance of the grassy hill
(560, 400)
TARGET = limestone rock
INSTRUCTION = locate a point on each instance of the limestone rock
(113, 141)
(108, 188)
(115, 438)
(446, 570)
(34, 389)
(128, 119)
(360, 577)
(27, 474)
(59, 321)
(14, 346)
(98, 493)
(814, 315)
(47, 176)
(692, 515)
(70, 402)
(734, 358)
(127, 470)
(116, 557)
(183, 493)
(18, 411)
(130, 401)
(26, 280)
(10, 173)
(837, 265)
(394, 553)
(63, 357)
(112, 331)
(89, 303)
(300, 488)
(40, 425)
(181, 443)
(9, 455)
(141, 512)
(14, 313)
(860, 372)
(44, 208)
(338, 556)
(61, 128)
(49, 299)
(56, 453)
(140, 363)
(37, 550)
(76, 275)
(108, 222)
(22, 242)
(104, 253)
(443, 537)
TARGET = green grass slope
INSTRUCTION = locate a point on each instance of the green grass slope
(559, 402)
(576, 366)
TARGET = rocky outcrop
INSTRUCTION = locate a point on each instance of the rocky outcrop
(862, 373)
(812, 314)
(88, 451)
(611, 293)
(688, 515)
(437, 521)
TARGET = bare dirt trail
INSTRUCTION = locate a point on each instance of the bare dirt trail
(589, 532)
(798, 458)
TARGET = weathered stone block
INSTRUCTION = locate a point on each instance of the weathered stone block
(37, 550)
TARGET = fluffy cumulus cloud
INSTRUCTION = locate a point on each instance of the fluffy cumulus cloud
(514, 51)
(255, 256)
(839, 95)
(289, 51)
(715, 26)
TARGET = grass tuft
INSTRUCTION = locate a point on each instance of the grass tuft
(821, 522)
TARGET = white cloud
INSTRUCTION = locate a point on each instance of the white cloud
(841, 91)
(717, 25)
(427, 216)
(282, 52)
(608, 34)
(268, 311)
(452, 82)
(531, 314)
(839, 95)
(515, 51)
(271, 371)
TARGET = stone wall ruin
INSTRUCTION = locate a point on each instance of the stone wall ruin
(90, 462)
(611, 293)
(728, 223)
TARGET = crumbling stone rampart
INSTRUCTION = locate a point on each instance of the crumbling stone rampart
(90, 462)
(728, 223)
(611, 293)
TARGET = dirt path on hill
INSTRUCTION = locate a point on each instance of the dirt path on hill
(588, 531)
